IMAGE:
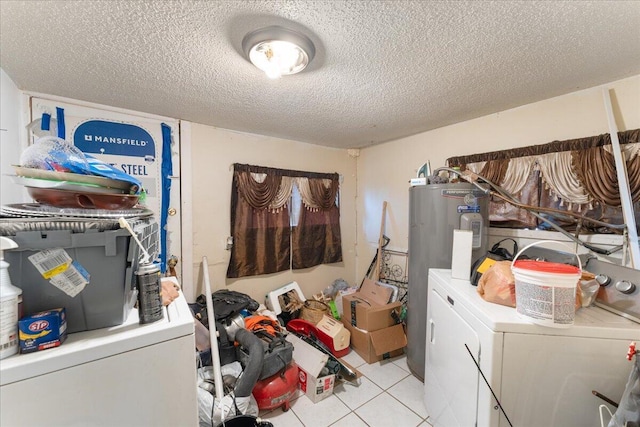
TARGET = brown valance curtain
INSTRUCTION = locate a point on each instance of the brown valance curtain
(264, 240)
(258, 195)
(626, 137)
(577, 175)
(596, 171)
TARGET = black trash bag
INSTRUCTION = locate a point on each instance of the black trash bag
(496, 253)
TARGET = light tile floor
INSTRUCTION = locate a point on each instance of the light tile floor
(389, 395)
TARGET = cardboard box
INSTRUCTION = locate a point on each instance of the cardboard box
(377, 345)
(368, 309)
(310, 362)
(338, 300)
(42, 330)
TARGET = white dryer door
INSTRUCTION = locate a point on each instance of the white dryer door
(451, 378)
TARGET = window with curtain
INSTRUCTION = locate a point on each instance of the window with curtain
(283, 219)
(577, 175)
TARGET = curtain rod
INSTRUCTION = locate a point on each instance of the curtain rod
(283, 172)
(625, 137)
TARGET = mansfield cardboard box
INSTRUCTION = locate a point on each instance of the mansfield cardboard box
(310, 362)
(368, 309)
(377, 345)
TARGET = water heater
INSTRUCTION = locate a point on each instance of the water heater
(435, 210)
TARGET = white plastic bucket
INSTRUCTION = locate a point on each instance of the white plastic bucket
(546, 291)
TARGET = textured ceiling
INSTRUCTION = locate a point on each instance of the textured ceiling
(383, 69)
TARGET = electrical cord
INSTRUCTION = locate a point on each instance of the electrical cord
(489, 385)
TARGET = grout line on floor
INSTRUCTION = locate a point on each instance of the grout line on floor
(403, 404)
(350, 389)
(365, 402)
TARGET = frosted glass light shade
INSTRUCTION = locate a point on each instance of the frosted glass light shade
(278, 51)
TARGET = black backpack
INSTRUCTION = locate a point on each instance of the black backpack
(226, 304)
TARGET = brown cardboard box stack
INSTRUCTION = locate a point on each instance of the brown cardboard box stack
(368, 317)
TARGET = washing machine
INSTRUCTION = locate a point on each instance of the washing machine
(526, 375)
(126, 375)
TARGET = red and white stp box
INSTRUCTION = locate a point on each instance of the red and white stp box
(310, 362)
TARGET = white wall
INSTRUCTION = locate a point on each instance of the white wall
(213, 151)
(384, 170)
(10, 139)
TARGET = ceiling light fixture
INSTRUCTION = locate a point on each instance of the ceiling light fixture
(278, 51)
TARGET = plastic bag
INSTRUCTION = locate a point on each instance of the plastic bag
(628, 411)
(229, 405)
(497, 284)
(589, 291)
(55, 154)
(332, 290)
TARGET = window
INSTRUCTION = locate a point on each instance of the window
(283, 219)
(574, 176)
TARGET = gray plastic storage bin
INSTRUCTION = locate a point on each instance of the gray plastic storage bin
(110, 257)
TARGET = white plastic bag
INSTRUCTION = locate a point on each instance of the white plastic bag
(224, 408)
(628, 411)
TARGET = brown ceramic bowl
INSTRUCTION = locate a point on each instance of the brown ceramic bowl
(75, 199)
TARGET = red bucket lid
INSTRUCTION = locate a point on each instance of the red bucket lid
(546, 266)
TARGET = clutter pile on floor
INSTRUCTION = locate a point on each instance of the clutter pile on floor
(265, 353)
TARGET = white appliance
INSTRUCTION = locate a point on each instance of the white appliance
(126, 375)
(542, 376)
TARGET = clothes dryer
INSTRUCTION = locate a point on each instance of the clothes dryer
(542, 376)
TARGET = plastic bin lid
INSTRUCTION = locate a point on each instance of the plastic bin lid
(546, 267)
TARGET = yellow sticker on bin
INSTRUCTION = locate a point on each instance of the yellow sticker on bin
(56, 270)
